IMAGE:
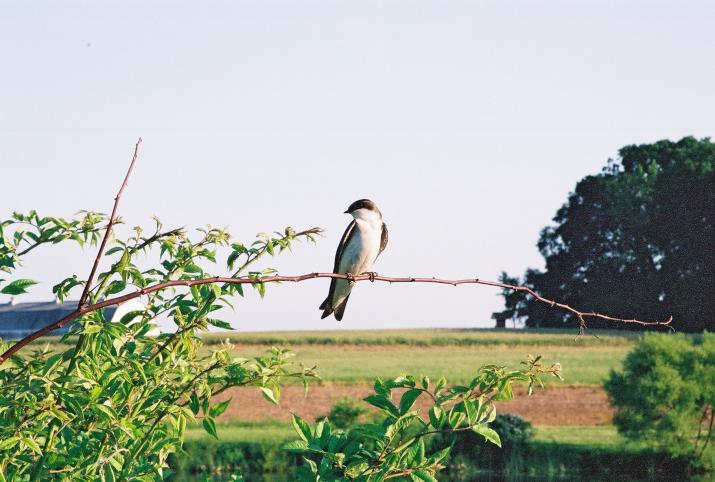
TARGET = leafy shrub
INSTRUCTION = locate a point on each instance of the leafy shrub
(666, 393)
(513, 429)
(345, 413)
(114, 402)
(399, 445)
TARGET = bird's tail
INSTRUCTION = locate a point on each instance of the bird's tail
(328, 309)
(325, 306)
(340, 309)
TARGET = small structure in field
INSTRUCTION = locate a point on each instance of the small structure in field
(17, 320)
(500, 317)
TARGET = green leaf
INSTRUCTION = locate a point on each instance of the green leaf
(383, 403)
(302, 427)
(219, 408)
(424, 476)
(456, 417)
(261, 287)
(194, 403)
(89, 329)
(9, 442)
(232, 259)
(113, 250)
(471, 411)
(210, 427)
(220, 324)
(438, 456)
(51, 363)
(298, 446)
(32, 444)
(192, 268)
(408, 399)
(313, 467)
(17, 287)
(436, 417)
(116, 286)
(269, 395)
(440, 384)
(489, 434)
(127, 318)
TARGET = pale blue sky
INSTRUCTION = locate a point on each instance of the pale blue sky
(467, 122)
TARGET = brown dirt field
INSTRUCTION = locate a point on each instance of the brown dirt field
(554, 406)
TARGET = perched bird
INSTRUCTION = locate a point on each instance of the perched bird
(363, 241)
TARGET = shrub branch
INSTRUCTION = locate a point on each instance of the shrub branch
(582, 315)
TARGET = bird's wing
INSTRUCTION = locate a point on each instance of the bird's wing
(343, 242)
(383, 239)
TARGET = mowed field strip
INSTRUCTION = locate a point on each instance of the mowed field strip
(350, 364)
(349, 361)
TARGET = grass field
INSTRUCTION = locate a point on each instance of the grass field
(278, 432)
(350, 364)
(261, 432)
(351, 357)
(592, 435)
(431, 337)
(349, 361)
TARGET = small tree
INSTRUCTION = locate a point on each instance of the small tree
(115, 403)
(665, 394)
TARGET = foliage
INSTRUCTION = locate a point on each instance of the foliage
(114, 404)
(470, 453)
(513, 429)
(589, 365)
(345, 413)
(635, 239)
(395, 447)
(568, 452)
(255, 459)
(666, 393)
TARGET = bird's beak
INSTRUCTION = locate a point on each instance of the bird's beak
(346, 212)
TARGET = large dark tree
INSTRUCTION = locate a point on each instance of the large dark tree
(635, 240)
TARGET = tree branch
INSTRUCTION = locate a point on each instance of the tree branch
(83, 310)
(108, 232)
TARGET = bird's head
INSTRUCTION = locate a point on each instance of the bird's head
(363, 209)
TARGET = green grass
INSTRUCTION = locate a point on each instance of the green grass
(590, 435)
(556, 453)
(581, 365)
(279, 432)
(349, 357)
(268, 431)
(431, 337)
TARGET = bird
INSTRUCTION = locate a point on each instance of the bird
(363, 241)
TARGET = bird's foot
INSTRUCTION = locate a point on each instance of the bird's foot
(350, 277)
(371, 275)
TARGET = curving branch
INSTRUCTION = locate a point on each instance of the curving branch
(83, 310)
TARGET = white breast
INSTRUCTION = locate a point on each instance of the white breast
(360, 252)
(362, 248)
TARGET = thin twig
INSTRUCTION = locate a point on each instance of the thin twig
(83, 310)
(108, 232)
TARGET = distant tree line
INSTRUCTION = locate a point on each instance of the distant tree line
(636, 239)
